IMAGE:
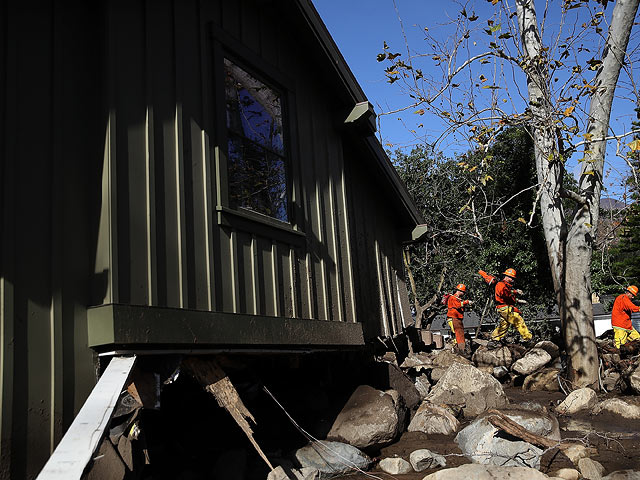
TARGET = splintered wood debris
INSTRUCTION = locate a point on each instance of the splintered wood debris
(215, 381)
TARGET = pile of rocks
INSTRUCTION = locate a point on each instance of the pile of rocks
(453, 391)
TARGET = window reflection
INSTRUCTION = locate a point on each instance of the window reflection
(256, 154)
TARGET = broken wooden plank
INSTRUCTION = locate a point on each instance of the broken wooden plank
(76, 448)
(215, 381)
(501, 421)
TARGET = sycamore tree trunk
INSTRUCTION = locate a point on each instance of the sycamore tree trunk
(570, 237)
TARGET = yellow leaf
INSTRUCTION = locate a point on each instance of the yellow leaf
(635, 145)
(569, 111)
(420, 112)
(494, 2)
(590, 172)
(522, 220)
(472, 169)
(588, 225)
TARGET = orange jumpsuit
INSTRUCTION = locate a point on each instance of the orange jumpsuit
(505, 297)
(455, 314)
(621, 320)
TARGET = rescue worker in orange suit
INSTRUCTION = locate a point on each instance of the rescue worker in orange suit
(621, 312)
(455, 314)
(505, 296)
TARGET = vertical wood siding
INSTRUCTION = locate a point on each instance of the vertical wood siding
(110, 181)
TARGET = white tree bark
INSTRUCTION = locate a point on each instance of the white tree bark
(570, 239)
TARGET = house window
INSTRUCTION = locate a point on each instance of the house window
(257, 173)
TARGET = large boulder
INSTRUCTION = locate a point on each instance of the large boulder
(479, 441)
(498, 357)
(282, 473)
(385, 376)
(446, 358)
(370, 418)
(331, 458)
(431, 419)
(545, 380)
(623, 475)
(486, 472)
(580, 399)
(534, 360)
(619, 406)
(634, 380)
(465, 384)
(549, 347)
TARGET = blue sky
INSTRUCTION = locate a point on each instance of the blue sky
(359, 28)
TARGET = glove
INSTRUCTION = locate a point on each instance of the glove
(524, 302)
(519, 292)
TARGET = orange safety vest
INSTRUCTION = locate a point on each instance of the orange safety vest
(456, 307)
(621, 312)
(505, 296)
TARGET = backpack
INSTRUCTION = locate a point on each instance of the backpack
(445, 299)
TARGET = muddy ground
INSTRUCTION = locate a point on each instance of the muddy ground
(617, 440)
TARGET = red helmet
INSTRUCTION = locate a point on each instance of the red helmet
(510, 272)
(633, 290)
(463, 288)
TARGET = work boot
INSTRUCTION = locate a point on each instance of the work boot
(528, 343)
(494, 344)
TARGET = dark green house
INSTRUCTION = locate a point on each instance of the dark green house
(181, 176)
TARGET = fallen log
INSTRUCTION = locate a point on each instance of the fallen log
(501, 421)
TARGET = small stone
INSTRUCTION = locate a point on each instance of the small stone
(423, 459)
(500, 372)
(423, 386)
(580, 399)
(590, 469)
(544, 380)
(566, 474)
(395, 466)
(577, 452)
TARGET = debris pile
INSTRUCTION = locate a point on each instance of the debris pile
(324, 427)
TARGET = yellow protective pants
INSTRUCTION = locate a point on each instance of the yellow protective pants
(509, 317)
(622, 335)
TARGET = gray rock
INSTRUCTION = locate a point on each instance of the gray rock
(306, 473)
(417, 361)
(423, 459)
(544, 380)
(623, 475)
(389, 376)
(499, 357)
(549, 347)
(634, 381)
(436, 373)
(580, 399)
(472, 471)
(610, 380)
(500, 372)
(423, 386)
(533, 360)
(370, 418)
(331, 458)
(479, 443)
(446, 358)
(431, 419)
(619, 406)
(590, 469)
(395, 466)
(466, 384)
